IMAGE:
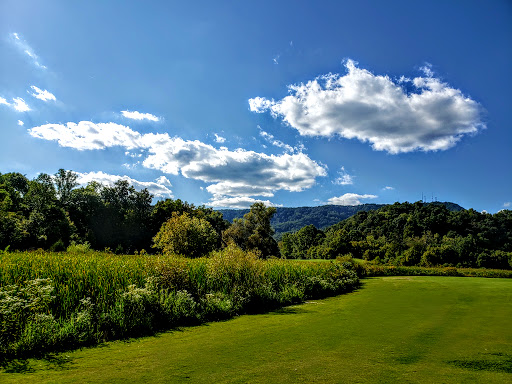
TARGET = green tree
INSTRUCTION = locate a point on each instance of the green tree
(65, 181)
(186, 235)
(164, 210)
(253, 231)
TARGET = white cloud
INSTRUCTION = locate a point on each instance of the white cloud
(238, 202)
(157, 188)
(88, 135)
(388, 188)
(350, 199)
(219, 139)
(135, 115)
(164, 181)
(21, 123)
(23, 46)
(506, 204)
(344, 179)
(131, 166)
(239, 189)
(229, 170)
(260, 104)
(42, 95)
(375, 109)
(229, 173)
(278, 143)
(18, 104)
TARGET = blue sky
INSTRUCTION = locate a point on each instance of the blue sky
(295, 103)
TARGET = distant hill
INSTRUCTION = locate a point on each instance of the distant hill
(293, 219)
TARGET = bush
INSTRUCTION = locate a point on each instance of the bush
(186, 235)
(79, 248)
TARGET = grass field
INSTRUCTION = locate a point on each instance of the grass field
(394, 329)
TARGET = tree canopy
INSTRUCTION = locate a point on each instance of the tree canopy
(412, 234)
(253, 231)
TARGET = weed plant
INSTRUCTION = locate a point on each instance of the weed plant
(52, 301)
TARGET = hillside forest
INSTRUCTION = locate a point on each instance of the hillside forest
(53, 212)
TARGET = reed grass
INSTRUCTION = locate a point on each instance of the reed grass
(53, 301)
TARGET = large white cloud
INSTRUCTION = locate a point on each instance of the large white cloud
(350, 199)
(394, 116)
(159, 187)
(229, 173)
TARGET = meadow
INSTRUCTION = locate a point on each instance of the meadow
(415, 329)
(52, 301)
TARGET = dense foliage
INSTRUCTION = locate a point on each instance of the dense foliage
(51, 301)
(187, 236)
(52, 212)
(411, 234)
(253, 232)
(287, 219)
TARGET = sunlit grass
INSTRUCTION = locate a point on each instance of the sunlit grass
(394, 329)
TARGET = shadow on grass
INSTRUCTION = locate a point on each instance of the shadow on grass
(495, 362)
(289, 311)
(55, 361)
(16, 366)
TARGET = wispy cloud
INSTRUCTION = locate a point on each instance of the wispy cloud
(41, 95)
(26, 49)
(350, 199)
(21, 123)
(159, 187)
(277, 143)
(18, 104)
(219, 139)
(375, 109)
(237, 173)
(388, 188)
(344, 178)
(135, 115)
(285, 52)
(506, 204)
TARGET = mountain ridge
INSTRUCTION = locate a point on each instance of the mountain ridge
(291, 219)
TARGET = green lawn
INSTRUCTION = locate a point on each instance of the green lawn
(393, 330)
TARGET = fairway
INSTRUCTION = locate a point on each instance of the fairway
(394, 329)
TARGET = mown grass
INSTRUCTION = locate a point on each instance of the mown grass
(395, 330)
(58, 301)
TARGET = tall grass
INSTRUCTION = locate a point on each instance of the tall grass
(54, 301)
(369, 270)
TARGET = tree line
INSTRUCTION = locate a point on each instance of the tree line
(423, 234)
(53, 212)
